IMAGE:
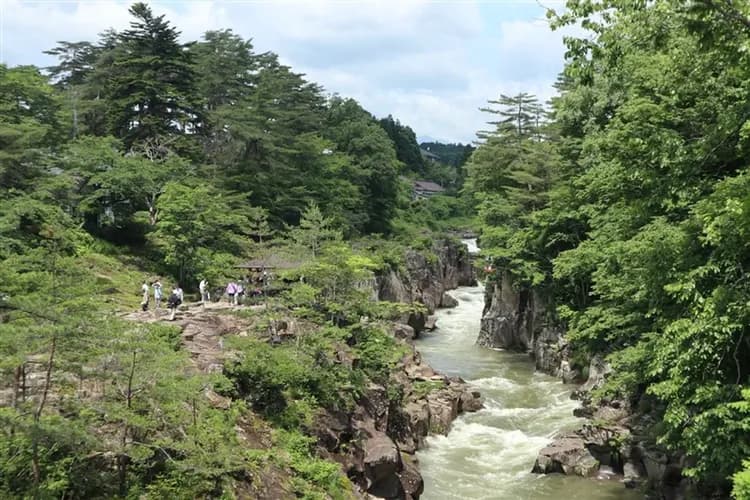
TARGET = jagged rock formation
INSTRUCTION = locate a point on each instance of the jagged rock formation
(375, 442)
(616, 440)
(425, 280)
(519, 320)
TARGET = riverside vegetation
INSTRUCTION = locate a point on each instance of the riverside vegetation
(139, 155)
(624, 205)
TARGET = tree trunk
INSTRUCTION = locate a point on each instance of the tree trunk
(37, 415)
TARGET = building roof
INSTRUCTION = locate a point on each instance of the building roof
(428, 186)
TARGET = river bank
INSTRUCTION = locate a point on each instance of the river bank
(489, 454)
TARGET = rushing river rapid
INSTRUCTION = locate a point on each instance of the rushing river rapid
(488, 454)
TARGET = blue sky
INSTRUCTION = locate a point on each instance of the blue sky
(431, 64)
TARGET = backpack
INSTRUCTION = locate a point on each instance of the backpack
(173, 300)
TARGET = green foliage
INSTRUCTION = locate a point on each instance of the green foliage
(149, 82)
(313, 230)
(628, 209)
(318, 479)
(741, 479)
(286, 383)
(405, 141)
(424, 387)
(195, 223)
(378, 351)
(140, 156)
(29, 122)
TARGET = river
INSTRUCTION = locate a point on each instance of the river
(488, 454)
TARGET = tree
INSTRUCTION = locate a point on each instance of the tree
(119, 191)
(405, 141)
(313, 230)
(196, 221)
(226, 68)
(521, 115)
(375, 166)
(150, 82)
(29, 124)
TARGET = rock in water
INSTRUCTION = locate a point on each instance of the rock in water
(448, 301)
(566, 455)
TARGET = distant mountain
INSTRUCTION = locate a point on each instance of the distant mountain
(426, 138)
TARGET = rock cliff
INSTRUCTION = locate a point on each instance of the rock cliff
(425, 277)
(519, 320)
(375, 442)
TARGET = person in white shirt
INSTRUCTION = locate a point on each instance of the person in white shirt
(158, 294)
(205, 295)
(144, 299)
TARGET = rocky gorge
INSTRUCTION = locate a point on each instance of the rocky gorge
(617, 439)
(375, 440)
(424, 278)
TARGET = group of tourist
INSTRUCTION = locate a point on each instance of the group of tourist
(173, 301)
(234, 290)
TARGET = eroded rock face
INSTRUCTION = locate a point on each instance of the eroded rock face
(425, 281)
(510, 316)
(375, 442)
(518, 320)
(382, 464)
(411, 480)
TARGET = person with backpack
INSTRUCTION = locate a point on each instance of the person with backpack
(174, 301)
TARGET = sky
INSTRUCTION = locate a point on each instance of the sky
(430, 64)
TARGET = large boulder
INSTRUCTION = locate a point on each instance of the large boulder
(567, 455)
(470, 401)
(443, 406)
(583, 451)
(448, 301)
(375, 401)
(411, 480)
(417, 415)
(382, 465)
(403, 332)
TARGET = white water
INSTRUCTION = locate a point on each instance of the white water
(488, 454)
(471, 244)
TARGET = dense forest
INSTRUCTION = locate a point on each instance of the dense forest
(140, 156)
(625, 202)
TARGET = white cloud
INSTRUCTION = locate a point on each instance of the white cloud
(430, 64)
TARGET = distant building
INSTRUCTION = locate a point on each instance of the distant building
(425, 189)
